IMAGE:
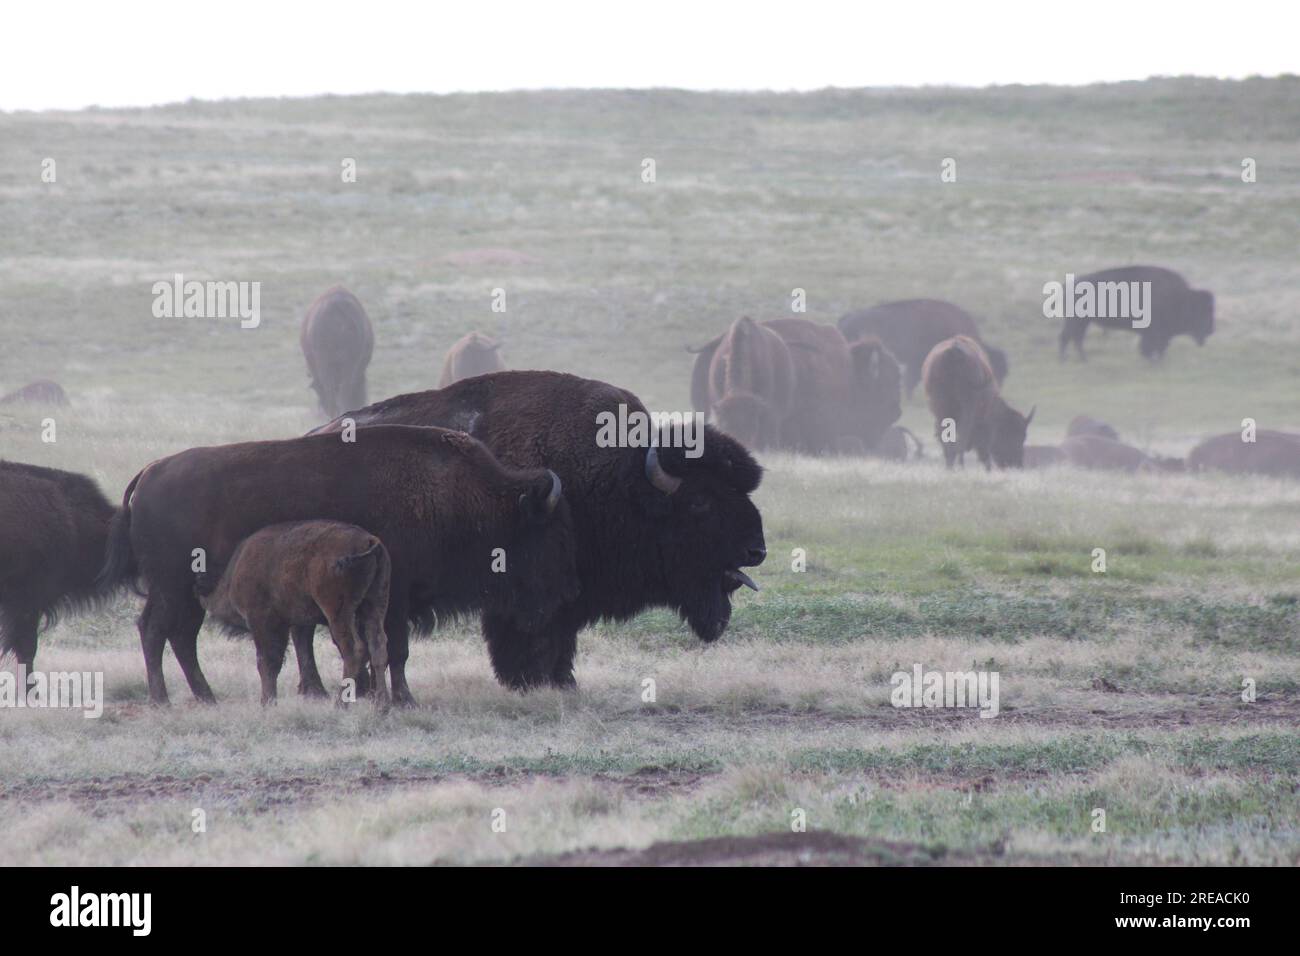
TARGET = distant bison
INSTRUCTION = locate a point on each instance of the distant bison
(1087, 425)
(463, 532)
(910, 328)
(473, 354)
(1271, 453)
(40, 392)
(53, 529)
(655, 528)
(1100, 453)
(337, 341)
(750, 384)
(844, 397)
(1043, 456)
(961, 388)
(1175, 309)
(298, 575)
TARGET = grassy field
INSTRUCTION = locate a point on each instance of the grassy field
(1119, 691)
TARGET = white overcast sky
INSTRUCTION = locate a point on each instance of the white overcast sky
(66, 55)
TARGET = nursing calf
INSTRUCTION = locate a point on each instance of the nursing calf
(298, 575)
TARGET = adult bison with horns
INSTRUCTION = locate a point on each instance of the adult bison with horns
(653, 527)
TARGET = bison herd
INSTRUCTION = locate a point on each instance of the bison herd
(491, 495)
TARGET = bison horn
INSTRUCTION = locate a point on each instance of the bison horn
(1030, 417)
(656, 475)
(553, 498)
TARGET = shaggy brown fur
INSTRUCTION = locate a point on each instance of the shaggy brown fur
(337, 341)
(960, 385)
(463, 532)
(53, 527)
(474, 354)
(300, 575)
(751, 379)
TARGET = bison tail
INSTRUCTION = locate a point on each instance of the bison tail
(361, 562)
(119, 560)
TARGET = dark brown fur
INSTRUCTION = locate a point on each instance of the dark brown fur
(751, 380)
(474, 354)
(299, 575)
(53, 528)
(639, 545)
(437, 499)
(1100, 453)
(960, 385)
(1176, 309)
(337, 341)
(910, 328)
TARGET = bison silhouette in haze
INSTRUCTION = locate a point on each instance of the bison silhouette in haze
(53, 529)
(301, 574)
(1087, 425)
(40, 392)
(463, 532)
(654, 528)
(961, 387)
(473, 354)
(337, 341)
(1273, 453)
(747, 385)
(910, 328)
(1175, 309)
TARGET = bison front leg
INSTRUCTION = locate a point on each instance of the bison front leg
(272, 642)
(304, 649)
(176, 620)
(18, 627)
(183, 635)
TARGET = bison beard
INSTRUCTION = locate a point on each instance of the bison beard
(653, 527)
(437, 499)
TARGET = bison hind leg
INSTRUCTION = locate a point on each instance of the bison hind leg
(272, 641)
(18, 628)
(304, 649)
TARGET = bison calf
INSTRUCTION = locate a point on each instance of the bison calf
(473, 354)
(964, 397)
(298, 575)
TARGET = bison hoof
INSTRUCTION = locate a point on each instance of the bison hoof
(312, 690)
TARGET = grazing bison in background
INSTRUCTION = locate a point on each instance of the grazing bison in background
(301, 574)
(1271, 453)
(1175, 309)
(654, 528)
(462, 531)
(845, 396)
(474, 354)
(53, 529)
(40, 392)
(1087, 425)
(337, 341)
(910, 328)
(960, 385)
(1043, 456)
(749, 384)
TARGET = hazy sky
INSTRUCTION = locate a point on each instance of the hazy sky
(73, 54)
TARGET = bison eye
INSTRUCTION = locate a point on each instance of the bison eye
(700, 505)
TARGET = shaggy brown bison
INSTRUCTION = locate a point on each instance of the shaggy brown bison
(1100, 453)
(40, 392)
(463, 532)
(337, 341)
(299, 575)
(1087, 425)
(910, 328)
(1271, 453)
(749, 384)
(961, 387)
(53, 528)
(473, 354)
(1175, 309)
(654, 528)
